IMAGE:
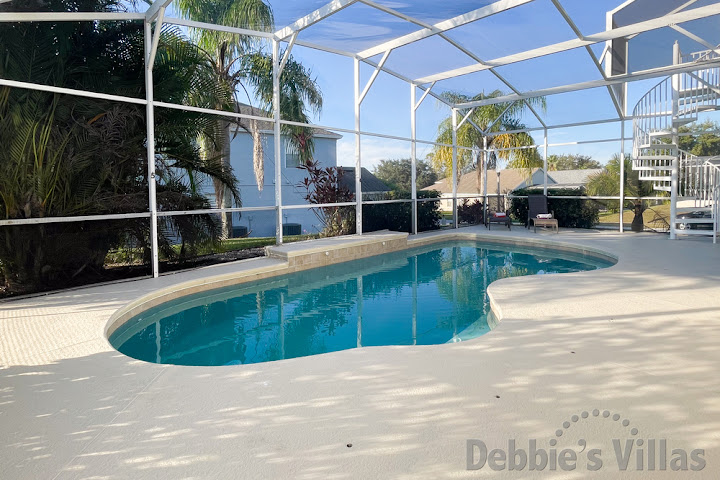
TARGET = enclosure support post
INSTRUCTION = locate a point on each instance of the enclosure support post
(675, 141)
(359, 310)
(622, 175)
(413, 158)
(277, 143)
(150, 126)
(454, 166)
(485, 183)
(545, 164)
(358, 162)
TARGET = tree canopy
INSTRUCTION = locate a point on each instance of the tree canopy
(397, 174)
(703, 140)
(571, 162)
(500, 122)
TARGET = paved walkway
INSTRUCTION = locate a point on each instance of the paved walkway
(640, 339)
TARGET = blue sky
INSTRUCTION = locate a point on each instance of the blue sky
(386, 108)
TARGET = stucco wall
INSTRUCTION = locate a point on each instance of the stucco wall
(262, 224)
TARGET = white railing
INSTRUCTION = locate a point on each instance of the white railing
(652, 114)
(716, 214)
(673, 102)
(699, 56)
(654, 117)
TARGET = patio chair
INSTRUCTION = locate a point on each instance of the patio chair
(537, 205)
(502, 220)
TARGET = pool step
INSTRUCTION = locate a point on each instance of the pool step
(327, 251)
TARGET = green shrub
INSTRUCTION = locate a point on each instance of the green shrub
(570, 212)
(398, 216)
(471, 213)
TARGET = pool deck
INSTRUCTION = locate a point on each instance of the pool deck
(640, 339)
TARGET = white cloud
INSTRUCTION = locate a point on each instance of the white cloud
(372, 151)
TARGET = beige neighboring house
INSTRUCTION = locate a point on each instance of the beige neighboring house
(510, 179)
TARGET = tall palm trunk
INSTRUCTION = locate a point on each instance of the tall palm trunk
(223, 196)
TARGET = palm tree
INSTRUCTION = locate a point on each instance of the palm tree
(64, 155)
(499, 117)
(239, 60)
(607, 182)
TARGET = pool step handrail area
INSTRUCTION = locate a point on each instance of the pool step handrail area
(674, 102)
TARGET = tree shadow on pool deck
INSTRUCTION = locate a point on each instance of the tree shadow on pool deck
(407, 411)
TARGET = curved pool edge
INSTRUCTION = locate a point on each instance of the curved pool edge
(292, 258)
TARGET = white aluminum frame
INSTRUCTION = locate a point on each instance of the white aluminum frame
(290, 35)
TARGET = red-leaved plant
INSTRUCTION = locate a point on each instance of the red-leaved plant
(323, 185)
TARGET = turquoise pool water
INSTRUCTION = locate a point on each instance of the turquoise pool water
(421, 296)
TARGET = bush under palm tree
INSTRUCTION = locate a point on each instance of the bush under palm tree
(64, 155)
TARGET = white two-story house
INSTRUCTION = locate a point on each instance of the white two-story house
(262, 223)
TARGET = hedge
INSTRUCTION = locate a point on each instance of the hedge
(570, 212)
(398, 216)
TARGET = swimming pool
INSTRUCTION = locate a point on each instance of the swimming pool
(421, 296)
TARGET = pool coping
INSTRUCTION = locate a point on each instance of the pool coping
(299, 256)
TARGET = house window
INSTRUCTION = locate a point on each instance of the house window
(292, 160)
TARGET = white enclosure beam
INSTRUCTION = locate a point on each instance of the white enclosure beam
(155, 8)
(277, 142)
(443, 26)
(516, 91)
(455, 44)
(155, 39)
(313, 18)
(621, 227)
(471, 122)
(71, 91)
(358, 161)
(69, 16)
(374, 76)
(344, 53)
(286, 55)
(492, 124)
(150, 145)
(594, 59)
(216, 28)
(211, 111)
(424, 95)
(454, 166)
(413, 156)
(545, 163)
(631, 77)
(465, 118)
(694, 37)
(396, 13)
(640, 27)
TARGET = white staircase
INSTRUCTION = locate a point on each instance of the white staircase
(672, 103)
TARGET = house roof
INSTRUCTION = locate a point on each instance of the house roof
(510, 179)
(269, 126)
(370, 183)
(573, 177)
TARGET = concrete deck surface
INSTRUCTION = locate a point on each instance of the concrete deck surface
(640, 339)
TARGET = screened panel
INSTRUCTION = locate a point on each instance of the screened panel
(356, 28)
(533, 25)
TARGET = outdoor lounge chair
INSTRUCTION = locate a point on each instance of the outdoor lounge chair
(537, 205)
(499, 220)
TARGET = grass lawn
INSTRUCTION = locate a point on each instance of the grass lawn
(649, 215)
(133, 256)
(233, 244)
